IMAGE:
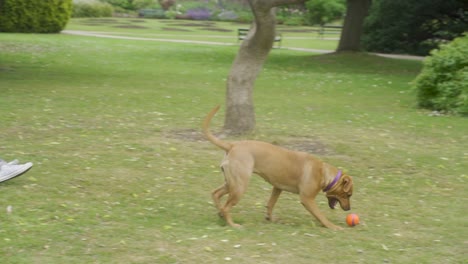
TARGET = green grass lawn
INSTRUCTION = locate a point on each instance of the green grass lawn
(123, 175)
(224, 32)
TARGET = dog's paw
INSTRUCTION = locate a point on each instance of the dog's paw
(221, 215)
(236, 226)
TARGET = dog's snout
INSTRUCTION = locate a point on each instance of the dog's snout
(345, 206)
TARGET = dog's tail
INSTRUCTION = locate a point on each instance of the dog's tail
(206, 130)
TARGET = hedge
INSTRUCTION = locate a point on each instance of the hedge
(442, 84)
(34, 16)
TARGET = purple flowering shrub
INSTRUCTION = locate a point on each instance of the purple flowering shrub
(199, 14)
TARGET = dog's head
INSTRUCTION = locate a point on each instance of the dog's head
(341, 193)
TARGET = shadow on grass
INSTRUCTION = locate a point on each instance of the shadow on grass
(345, 62)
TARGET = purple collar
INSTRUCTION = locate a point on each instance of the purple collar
(337, 177)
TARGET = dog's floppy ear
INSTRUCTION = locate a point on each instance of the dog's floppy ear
(347, 183)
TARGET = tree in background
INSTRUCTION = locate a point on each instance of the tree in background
(321, 12)
(34, 16)
(240, 114)
(413, 27)
(356, 12)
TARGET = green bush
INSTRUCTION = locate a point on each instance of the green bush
(34, 16)
(245, 16)
(140, 4)
(91, 8)
(321, 12)
(442, 84)
(121, 4)
(294, 21)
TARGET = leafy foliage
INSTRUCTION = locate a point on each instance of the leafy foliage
(139, 4)
(34, 16)
(414, 27)
(443, 82)
(123, 4)
(91, 8)
(291, 16)
(324, 11)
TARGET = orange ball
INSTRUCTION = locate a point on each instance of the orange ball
(352, 219)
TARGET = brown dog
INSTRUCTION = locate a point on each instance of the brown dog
(286, 170)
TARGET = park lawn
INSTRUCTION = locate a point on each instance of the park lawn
(123, 175)
(212, 31)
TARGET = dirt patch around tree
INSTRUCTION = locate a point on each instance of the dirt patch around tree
(306, 145)
(314, 147)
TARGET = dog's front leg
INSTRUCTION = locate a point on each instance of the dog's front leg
(271, 203)
(311, 206)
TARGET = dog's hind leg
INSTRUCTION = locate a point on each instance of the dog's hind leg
(222, 190)
(237, 179)
(271, 203)
(217, 194)
(232, 200)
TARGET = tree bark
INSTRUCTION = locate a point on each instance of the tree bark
(253, 52)
(356, 12)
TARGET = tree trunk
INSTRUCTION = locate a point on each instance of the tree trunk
(254, 50)
(356, 12)
(240, 114)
